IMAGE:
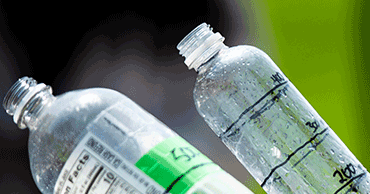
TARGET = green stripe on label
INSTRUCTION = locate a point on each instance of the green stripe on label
(176, 165)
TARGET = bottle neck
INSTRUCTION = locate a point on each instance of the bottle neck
(25, 101)
(209, 64)
(200, 45)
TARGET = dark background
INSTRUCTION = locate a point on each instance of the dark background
(131, 47)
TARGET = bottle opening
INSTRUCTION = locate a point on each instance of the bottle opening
(16, 93)
(19, 95)
(200, 45)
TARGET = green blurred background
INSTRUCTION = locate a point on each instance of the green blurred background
(322, 48)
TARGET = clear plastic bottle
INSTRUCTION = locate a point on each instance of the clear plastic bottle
(98, 141)
(265, 121)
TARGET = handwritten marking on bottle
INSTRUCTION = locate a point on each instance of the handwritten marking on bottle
(346, 176)
(182, 152)
(277, 77)
(315, 125)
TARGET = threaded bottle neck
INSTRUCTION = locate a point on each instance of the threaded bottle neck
(200, 45)
(25, 98)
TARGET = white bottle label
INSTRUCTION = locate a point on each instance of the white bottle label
(94, 168)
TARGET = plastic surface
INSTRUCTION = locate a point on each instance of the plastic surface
(176, 165)
(218, 183)
(95, 168)
(271, 128)
(57, 124)
(96, 127)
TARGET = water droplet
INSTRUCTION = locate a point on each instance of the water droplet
(262, 161)
(340, 157)
(285, 135)
(291, 117)
(288, 125)
(312, 117)
(299, 140)
(287, 105)
(295, 106)
(312, 148)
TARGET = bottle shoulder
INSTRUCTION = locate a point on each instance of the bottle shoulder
(230, 59)
(74, 109)
(92, 93)
(77, 100)
(62, 124)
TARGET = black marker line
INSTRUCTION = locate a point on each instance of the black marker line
(317, 144)
(181, 176)
(352, 188)
(267, 106)
(291, 155)
(251, 107)
(93, 180)
(349, 182)
(299, 161)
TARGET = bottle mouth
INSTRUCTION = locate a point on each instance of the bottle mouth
(19, 95)
(16, 93)
(200, 45)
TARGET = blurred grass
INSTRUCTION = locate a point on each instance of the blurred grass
(321, 46)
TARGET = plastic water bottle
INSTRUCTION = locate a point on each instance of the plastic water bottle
(98, 141)
(265, 121)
